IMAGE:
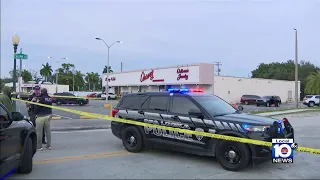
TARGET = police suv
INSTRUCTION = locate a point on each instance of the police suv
(194, 110)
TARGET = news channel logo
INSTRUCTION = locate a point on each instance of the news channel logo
(282, 150)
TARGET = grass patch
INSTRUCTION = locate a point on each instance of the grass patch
(281, 110)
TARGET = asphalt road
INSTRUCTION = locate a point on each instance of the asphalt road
(97, 154)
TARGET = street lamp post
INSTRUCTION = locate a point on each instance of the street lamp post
(15, 42)
(57, 72)
(73, 71)
(296, 68)
(107, 84)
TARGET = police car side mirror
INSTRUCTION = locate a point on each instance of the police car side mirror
(17, 116)
(195, 112)
(240, 108)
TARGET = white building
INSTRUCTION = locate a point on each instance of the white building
(27, 87)
(198, 76)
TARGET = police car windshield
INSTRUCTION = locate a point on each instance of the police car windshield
(214, 105)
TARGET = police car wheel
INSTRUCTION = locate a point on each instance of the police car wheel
(233, 156)
(132, 139)
(26, 160)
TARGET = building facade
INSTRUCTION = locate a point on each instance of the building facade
(27, 87)
(199, 76)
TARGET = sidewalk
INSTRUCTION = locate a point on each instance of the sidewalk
(285, 112)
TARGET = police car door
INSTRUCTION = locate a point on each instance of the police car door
(181, 108)
(155, 111)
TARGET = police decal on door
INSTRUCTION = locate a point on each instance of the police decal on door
(166, 133)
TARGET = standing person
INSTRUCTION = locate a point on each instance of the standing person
(31, 107)
(5, 98)
(43, 116)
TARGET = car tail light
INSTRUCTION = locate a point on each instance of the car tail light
(114, 112)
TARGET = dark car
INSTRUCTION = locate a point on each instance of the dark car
(269, 101)
(249, 99)
(18, 142)
(68, 98)
(199, 112)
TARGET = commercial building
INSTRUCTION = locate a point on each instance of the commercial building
(199, 76)
(27, 87)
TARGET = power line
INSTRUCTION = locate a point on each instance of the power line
(218, 64)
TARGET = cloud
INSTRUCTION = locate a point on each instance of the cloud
(160, 33)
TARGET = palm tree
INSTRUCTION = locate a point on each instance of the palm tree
(92, 80)
(313, 83)
(89, 79)
(26, 75)
(105, 69)
(46, 71)
(78, 79)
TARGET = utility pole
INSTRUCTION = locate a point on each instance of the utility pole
(296, 69)
(218, 64)
(121, 66)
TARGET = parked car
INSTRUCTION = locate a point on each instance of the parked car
(269, 101)
(18, 142)
(98, 95)
(311, 100)
(58, 100)
(110, 96)
(249, 99)
(91, 95)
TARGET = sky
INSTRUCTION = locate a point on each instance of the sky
(238, 33)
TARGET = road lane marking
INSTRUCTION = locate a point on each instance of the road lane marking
(81, 157)
(61, 116)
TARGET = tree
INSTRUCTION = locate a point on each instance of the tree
(78, 80)
(26, 76)
(285, 71)
(313, 83)
(105, 69)
(93, 80)
(46, 71)
(66, 68)
(11, 73)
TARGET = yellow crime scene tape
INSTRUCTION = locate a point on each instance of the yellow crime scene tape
(205, 134)
(75, 97)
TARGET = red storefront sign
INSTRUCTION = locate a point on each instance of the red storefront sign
(150, 76)
(111, 79)
(182, 74)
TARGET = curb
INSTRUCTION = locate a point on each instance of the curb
(78, 128)
(275, 113)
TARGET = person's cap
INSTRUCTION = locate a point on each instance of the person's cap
(37, 88)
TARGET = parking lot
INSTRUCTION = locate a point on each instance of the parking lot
(94, 154)
(96, 106)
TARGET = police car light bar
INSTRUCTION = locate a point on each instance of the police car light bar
(185, 90)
